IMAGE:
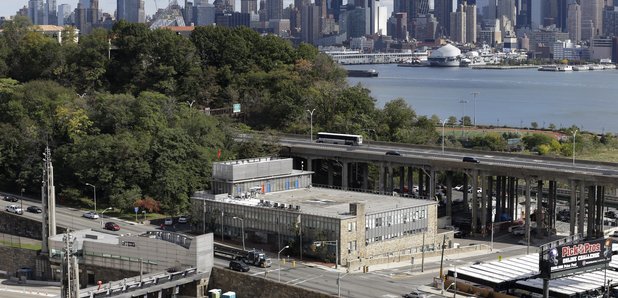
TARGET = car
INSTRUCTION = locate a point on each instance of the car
(610, 214)
(393, 152)
(519, 231)
(183, 219)
(112, 226)
(414, 294)
(459, 187)
(239, 266)
(168, 221)
(470, 159)
(14, 209)
(34, 209)
(11, 198)
(91, 215)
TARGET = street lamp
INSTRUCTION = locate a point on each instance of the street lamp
(474, 94)
(21, 199)
(574, 135)
(311, 113)
(463, 113)
(279, 260)
(106, 209)
(317, 243)
(242, 227)
(443, 123)
(94, 188)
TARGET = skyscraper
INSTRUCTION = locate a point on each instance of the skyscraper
(64, 11)
(310, 31)
(87, 15)
(592, 15)
(248, 6)
(442, 10)
(274, 9)
(507, 8)
(574, 21)
(458, 24)
(470, 23)
(35, 11)
(554, 12)
(524, 13)
(131, 10)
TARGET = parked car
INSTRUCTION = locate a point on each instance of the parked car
(11, 198)
(414, 294)
(518, 231)
(183, 219)
(112, 226)
(168, 221)
(459, 187)
(14, 209)
(610, 214)
(239, 266)
(34, 209)
(91, 215)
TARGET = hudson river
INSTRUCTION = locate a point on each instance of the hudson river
(513, 97)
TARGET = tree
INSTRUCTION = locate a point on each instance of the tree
(534, 125)
(452, 121)
(465, 121)
(551, 126)
(534, 140)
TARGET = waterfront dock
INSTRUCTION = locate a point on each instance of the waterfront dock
(503, 67)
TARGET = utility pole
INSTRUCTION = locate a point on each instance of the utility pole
(70, 269)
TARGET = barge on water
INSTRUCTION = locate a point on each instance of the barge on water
(362, 73)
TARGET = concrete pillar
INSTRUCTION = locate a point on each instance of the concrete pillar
(309, 164)
(475, 204)
(515, 192)
(365, 175)
(551, 205)
(432, 184)
(483, 208)
(600, 194)
(505, 204)
(464, 190)
(499, 198)
(410, 181)
(389, 179)
(573, 207)
(591, 211)
(582, 208)
(540, 222)
(421, 183)
(402, 179)
(528, 187)
(330, 172)
(449, 194)
(381, 179)
(345, 171)
(490, 191)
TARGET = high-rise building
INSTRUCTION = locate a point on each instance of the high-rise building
(274, 9)
(574, 22)
(380, 20)
(554, 12)
(524, 13)
(87, 15)
(492, 10)
(310, 28)
(248, 6)
(592, 18)
(64, 11)
(401, 26)
(470, 23)
(458, 24)
(442, 10)
(35, 11)
(204, 13)
(131, 10)
(51, 13)
(507, 8)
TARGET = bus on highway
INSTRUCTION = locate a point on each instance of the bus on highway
(338, 138)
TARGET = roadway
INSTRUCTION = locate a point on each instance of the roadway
(492, 162)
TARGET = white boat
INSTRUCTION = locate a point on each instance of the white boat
(596, 67)
(564, 67)
(560, 67)
(581, 67)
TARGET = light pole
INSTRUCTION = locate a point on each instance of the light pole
(574, 135)
(21, 199)
(311, 117)
(474, 94)
(94, 188)
(336, 243)
(443, 123)
(106, 209)
(463, 114)
(242, 228)
(279, 260)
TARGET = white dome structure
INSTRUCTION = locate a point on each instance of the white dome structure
(448, 55)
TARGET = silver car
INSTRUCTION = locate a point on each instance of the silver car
(91, 215)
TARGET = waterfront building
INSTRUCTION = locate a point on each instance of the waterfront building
(131, 11)
(546, 37)
(567, 50)
(491, 35)
(574, 26)
(279, 207)
(601, 48)
(448, 55)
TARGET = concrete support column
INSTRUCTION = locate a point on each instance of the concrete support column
(365, 175)
(389, 179)
(410, 181)
(483, 208)
(551, 203)
(582, 208)
(490, 204)
(573, 207)
(330, 172)
(309, 164)
(402, 178)
(421, 183)
(475, 204)
(540, 220)
(600, 212)
(381, 179)
(591, 211)
(528, 187)
(499, 199)
(464, 190)
(515, 186)
(449, 195)
(432, 184)
(345, 171)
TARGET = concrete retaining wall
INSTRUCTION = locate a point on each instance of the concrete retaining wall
(22, 226)
(245, 285)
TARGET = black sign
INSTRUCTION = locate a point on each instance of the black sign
(568, 259)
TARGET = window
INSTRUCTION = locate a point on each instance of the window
(422, 213)
(352, 246)
(378, 222)
(352, 227)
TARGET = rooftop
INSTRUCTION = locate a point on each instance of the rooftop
(326, 202)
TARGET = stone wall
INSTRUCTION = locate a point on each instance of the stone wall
(245, 285)
(12, 258)
(18, 225)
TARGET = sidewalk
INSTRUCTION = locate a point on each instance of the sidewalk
(432, 259)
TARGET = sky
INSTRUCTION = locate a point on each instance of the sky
(9, 7)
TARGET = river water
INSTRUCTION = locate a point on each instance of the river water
(514, 97)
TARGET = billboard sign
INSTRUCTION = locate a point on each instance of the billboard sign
(576, 257)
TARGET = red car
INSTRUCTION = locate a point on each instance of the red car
(112, 226)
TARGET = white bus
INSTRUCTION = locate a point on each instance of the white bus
(338, 138)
